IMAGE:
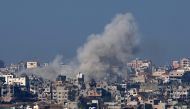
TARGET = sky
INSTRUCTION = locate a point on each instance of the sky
(41, 29)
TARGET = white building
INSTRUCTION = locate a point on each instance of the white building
(158, 73)
(20, 81)
(184, 63)
(7, 77)
(133, 92)
(176, 73)
(31, 64)
(137, 63)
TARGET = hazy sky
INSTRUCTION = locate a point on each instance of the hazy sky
(41, 29)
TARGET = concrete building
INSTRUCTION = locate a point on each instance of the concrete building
(178, 92)
(165, 77)
(140, 78)
(112, 105)
(35, 83)
(184, 63)
(158, 73)
(60, 94)
(60, 80)
(93, 93)
(176, 73)
(157, 104)
(70, 105)
(176, 64)
(45, 92)
(148, 87)
(21, 81)
(80, 78)
(133, 92)
(31, 64)
(6, 93)
(139, 64)
(7, 77)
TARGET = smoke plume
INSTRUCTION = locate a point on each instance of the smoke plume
(55, 68)
(110, 48)
(103, 56)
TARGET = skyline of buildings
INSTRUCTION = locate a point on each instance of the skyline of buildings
(111, 55)
(146, 86)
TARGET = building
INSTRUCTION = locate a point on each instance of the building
(165, 77)
(157, 104)
(185, 77)
(31, 64)
(176, 73)
(45, 92)
(158, 73)
(139, 64)
(112, 105)
(80, 78)
(176, 64)
(7, 77)
(70, 105)
(94, 93)
(60, 80)
(6, 93)
(184, 63)
(148, 87)
(61, 94)
(35, 84)
(133, 92)
(139, 78)
(177, 92)
(21, 81)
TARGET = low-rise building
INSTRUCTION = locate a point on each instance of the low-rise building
(93, 93)
(158, 73)
(184, 63)
(22, 81)
(6, 93)
(148, 87)
(31, 64)
(176, 73)
(157, 104)
(7, 77)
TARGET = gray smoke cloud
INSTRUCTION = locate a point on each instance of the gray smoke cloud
(55, 68)
(103, 56)
(112, 47)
